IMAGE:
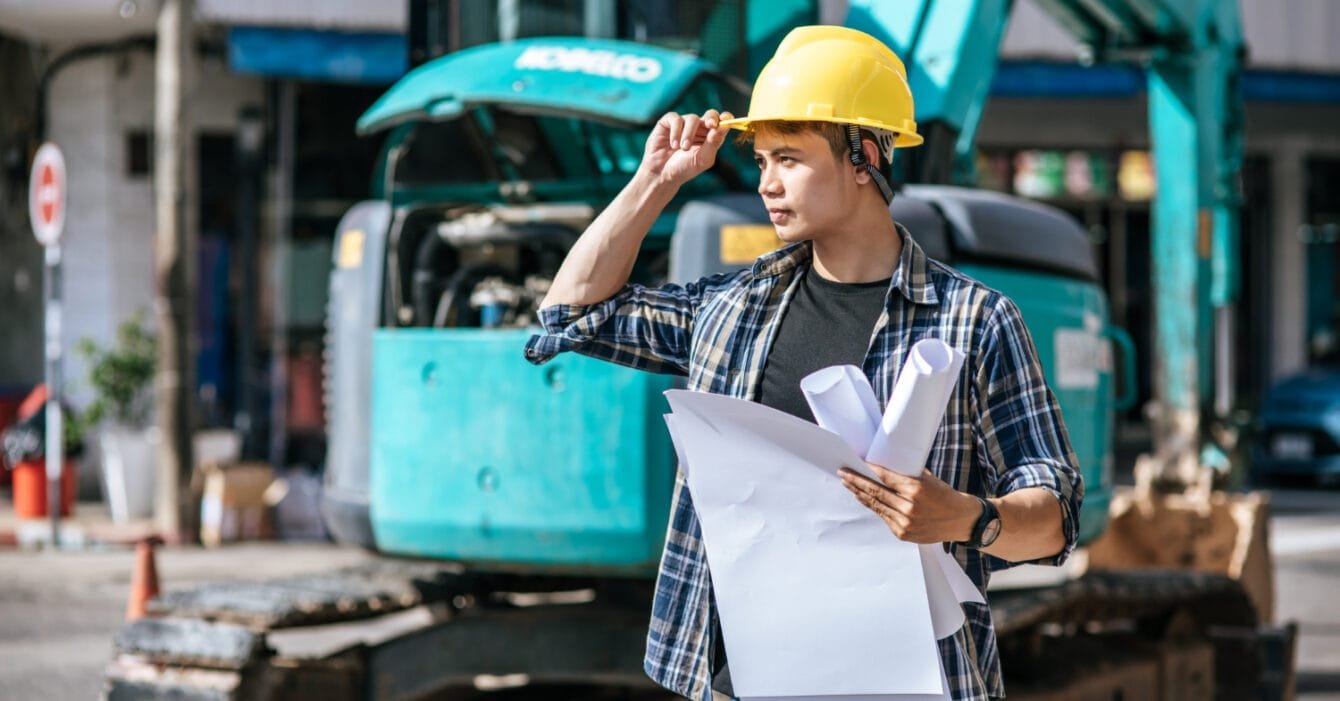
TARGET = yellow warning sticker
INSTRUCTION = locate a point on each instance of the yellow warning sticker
(351, 249)
(742, 243)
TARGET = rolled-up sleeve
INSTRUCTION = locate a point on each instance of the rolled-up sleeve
(1022, 437)
(648, 328)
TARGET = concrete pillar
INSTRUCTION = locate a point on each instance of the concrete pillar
(1288, 174)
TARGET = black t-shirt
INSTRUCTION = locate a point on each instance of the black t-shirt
(827, 323)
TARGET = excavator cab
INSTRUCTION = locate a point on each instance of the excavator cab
(444, 442)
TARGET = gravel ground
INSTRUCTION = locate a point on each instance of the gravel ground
(59, 610)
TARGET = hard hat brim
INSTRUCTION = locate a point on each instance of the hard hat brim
(907, 135)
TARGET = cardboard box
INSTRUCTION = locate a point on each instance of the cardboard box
(235, 503)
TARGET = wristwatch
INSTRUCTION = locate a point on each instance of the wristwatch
(987, 528)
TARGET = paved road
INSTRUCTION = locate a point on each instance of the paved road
(1305, 540)
(58, 611)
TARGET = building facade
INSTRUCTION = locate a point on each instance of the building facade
(1050, 117)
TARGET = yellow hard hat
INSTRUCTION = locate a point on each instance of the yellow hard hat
(834, 74)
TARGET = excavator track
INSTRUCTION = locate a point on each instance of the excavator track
(1117, 596)
(219, 641)
(394, 630)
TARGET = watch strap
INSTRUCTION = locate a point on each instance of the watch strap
(989, 514)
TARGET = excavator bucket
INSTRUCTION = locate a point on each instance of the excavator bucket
(1216, 533)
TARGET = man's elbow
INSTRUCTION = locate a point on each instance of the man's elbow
(1055, 542)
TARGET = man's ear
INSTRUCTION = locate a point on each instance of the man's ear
(871, 151)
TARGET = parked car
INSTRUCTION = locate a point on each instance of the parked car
(1298, 429)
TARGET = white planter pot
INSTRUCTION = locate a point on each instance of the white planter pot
(129, 471)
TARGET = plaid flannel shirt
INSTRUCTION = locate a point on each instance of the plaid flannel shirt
(1002, 429)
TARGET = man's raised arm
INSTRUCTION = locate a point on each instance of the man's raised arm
(679, 148)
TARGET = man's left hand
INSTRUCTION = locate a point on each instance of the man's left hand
(922, 509)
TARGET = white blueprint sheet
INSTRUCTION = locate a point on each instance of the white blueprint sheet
(817, 598)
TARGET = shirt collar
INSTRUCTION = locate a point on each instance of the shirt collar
(911, 277)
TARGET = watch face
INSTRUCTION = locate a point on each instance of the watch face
(991, 531)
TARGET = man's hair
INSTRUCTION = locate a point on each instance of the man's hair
(835, 134)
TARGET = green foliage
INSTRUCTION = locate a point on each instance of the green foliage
(73, 430)
(121, 376)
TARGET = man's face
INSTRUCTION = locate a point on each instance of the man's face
(807, 190)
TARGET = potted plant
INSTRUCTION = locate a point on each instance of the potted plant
(23, 451)
(121, 378)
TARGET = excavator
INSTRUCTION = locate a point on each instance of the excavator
(519, 512)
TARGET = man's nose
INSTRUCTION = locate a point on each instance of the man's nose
(768, 184)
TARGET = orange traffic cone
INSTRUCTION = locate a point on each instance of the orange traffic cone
(144, 583)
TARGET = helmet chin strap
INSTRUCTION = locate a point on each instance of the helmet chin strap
(858, 159)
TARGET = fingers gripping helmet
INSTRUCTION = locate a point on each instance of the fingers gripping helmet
(839, 75)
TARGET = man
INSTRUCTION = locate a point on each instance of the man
(1002, 483)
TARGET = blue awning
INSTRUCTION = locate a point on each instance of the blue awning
(1068, 80)
(345, 57)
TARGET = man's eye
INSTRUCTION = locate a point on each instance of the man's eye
(786, 159)
(759, 162)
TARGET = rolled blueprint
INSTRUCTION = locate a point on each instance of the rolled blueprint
(844, 403)
(903, 439)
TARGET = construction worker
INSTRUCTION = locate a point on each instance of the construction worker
(850, 287)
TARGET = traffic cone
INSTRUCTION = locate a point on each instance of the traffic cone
(144, 582)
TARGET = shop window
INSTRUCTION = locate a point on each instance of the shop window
(1052, 174)
(1321, 235)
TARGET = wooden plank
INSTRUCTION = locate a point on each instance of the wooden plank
(1186, 671)
(190, 642)
(132, 678)
(343, 595)
(1128, 679)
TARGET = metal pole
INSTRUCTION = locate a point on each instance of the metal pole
(1225, 367)
(55, 450)
(282, 221)
(250, 143)
(509, 20)
(600, 19)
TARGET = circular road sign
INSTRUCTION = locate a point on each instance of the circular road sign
(46, 195)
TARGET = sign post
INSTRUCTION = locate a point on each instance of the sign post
(46, 211)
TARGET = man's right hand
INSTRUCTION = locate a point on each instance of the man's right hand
(684, 145)
(598, 265)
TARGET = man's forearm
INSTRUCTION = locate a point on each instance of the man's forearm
(1031, 528)
(924, 509)
(602, 259)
